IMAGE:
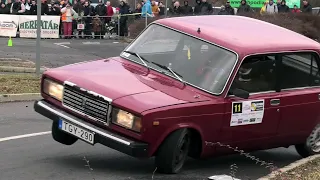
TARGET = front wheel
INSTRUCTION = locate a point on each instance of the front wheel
(312, 144)
(173, 152)
(61, 136)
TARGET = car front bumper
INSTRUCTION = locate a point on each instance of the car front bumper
(102, 136)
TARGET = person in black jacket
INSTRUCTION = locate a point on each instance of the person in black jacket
(186, 9)
(88, 12)
(197, 8)
(307, 8)
(55, 9)
(206, 8)
(124, 9)
(244, 8)
(283, 8)
(4, 9)
(44, 7)
(33, 8)
(229, 9)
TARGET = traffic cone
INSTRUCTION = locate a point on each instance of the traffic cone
(10, 42)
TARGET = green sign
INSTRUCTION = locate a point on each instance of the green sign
(260, 3)
(44, 25)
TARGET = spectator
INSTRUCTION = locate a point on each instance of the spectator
(223, 11)
(88, 11)
(229, 9)
(97, 27)
(206, 8)
(124, 10)
(101, 10)
(186, 9)
(67, 17)
(197, 8)
(109, 11)
(4, 9)
(244, 8)
(283, 8)
(146, 9)
(295, 9)
(155, 9)
(77, 6)
(162, 8)
(17, 8)
(33, 8)
(176, 9)
(271, 8)
(27, 4)
(263, 8)
(307, 8)
(55, 9)
(138, 10)
(9, 4)
(44, 7)
(278, 3)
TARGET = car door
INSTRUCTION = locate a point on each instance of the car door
(249, 122)
(300, 95)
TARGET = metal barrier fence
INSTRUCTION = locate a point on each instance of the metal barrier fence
(100, 26)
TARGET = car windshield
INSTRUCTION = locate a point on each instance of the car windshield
(198, 63)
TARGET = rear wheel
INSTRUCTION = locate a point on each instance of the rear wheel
(173, 152)
(61, 136)
(312, 144)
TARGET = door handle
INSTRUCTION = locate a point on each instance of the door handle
(275, 102)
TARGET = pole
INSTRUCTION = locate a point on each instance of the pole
(166, 13)
(38, 37)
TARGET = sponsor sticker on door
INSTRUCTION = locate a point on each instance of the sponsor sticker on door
(247, 112)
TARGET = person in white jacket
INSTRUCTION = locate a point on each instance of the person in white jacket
(271, 8)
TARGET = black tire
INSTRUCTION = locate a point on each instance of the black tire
(176, 145)
(61, 136)
(310, 147)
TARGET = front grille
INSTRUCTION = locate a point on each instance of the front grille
(86, 104)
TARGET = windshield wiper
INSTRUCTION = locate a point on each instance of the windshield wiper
(169, 69)
(143, 60)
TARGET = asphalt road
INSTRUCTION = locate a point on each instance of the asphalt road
(59, 52)
(40, 157)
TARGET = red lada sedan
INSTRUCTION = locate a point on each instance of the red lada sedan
(186, 81)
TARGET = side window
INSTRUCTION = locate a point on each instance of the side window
(299, 70)
(256, 74)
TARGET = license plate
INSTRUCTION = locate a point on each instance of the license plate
(77, 131)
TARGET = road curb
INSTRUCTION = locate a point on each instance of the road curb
(290, 167)
(20, 69)
(19, 97)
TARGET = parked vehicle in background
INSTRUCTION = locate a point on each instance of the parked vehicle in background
(195, 82)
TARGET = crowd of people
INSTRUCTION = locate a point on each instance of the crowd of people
(95, 19)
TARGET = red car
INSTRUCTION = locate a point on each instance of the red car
(187, 81)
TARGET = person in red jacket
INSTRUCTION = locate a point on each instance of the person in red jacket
(295, 9)
(109, 11)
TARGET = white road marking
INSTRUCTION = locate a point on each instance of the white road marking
(24, 136)
(62, 44)
(90, 42)
(115, 42)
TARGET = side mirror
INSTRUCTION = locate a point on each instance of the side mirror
(240, 93)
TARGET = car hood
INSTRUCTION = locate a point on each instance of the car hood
(127, 82)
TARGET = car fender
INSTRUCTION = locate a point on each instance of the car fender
(172, 129)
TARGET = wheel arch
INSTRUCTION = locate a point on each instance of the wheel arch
(196, 146)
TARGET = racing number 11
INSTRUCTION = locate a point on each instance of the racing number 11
(237, 108)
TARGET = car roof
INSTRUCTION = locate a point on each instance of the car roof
(244, 35)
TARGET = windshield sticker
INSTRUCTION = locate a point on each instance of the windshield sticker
(247, 112)
(125, 54)
(189, 54)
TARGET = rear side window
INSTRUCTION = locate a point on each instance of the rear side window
(300, 70)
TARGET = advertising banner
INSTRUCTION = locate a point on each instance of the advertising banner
(49, 26)
(9, 25)
(260, 3)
